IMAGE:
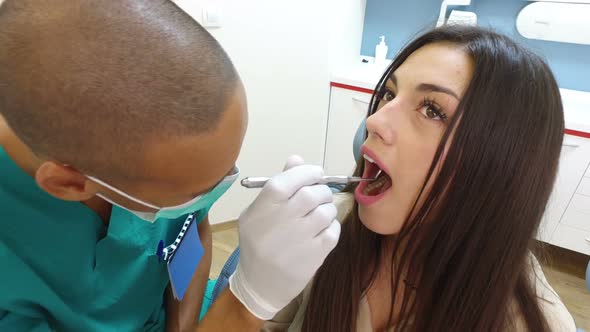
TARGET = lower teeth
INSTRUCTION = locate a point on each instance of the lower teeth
(374, 187)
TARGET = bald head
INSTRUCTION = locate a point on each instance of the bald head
(94, 84)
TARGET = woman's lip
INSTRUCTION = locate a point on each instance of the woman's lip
(366, 151)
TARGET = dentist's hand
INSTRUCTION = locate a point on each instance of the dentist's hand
(285, 235)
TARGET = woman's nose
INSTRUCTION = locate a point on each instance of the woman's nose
(379, 125)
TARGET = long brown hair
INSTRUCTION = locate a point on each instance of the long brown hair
(466, 248)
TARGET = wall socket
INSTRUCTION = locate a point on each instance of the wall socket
(211, 17)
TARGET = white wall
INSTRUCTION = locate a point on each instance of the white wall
(282, 52)
(347, 18)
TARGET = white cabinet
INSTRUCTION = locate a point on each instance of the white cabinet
(348, 108)
(573, 229)
(572, 238)
(575, 156)
(584, 187)
(576, 218)
(567, 219)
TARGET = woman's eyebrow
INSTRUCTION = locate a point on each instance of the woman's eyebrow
(429, 87)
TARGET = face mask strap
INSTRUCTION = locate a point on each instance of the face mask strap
(229, 178)
(122, 193)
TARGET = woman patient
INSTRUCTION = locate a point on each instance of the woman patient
(465, 129)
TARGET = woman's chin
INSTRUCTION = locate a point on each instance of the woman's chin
(378, 222)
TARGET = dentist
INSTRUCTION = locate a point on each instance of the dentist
(117, 122)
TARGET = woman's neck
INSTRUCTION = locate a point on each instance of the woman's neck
(379, 294)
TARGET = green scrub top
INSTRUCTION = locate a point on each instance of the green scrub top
(64, 270)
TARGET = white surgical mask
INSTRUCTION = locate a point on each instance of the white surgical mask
(173, 212)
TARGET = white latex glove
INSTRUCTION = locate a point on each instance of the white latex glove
(285, 235)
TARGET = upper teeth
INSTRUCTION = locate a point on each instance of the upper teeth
(369, 159)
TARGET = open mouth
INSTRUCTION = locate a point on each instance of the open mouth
(381, 184)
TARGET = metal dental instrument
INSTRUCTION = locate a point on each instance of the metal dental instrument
(259, 182)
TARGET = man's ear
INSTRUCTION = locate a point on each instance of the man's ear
(64, 182)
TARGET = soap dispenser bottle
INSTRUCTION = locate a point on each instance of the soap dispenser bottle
(381, 51)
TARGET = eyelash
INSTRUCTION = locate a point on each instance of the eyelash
(438, 112)
(388, 96)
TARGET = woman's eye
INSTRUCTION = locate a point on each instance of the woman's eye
(388, 95)
(431, 111)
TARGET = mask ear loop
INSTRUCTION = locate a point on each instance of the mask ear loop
(122, 193)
